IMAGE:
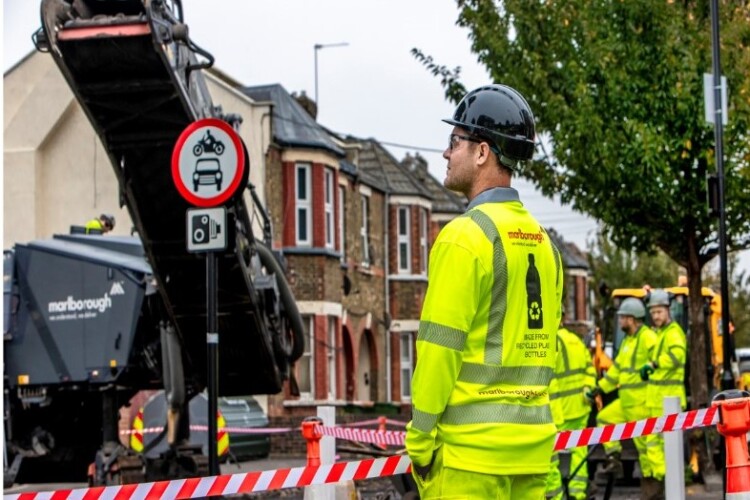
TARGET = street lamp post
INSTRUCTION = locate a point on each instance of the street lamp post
(316, 48)
(727, 379)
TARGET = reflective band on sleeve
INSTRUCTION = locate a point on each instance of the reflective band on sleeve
(666, 382)
(423, 421)
(497, 413)
(633, 386)
(564, 394)
(475, 373)
(493, 348)
(563, 351)
(441, 335)
(558, 259)
(675, 362)
(570, 373)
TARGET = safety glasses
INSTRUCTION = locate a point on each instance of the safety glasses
(456, 138)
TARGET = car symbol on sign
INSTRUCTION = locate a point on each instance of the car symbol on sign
(207, 172)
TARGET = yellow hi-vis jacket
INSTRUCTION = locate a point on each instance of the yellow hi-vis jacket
(669, 358)
(635, 351)
(94, 224)
(574, 371)
(486, 342)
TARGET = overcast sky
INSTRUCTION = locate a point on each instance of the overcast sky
(372, 87)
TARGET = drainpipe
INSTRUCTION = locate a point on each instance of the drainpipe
(388, 391)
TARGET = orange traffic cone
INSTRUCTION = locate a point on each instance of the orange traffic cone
(309, 425)
(734, 408)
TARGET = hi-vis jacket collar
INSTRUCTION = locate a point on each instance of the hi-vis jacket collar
(494, 195)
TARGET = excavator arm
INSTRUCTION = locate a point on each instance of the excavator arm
(137, 76)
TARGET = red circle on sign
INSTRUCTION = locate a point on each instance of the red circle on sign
(239, 171)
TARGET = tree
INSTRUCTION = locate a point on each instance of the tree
(618, 268)
(617, 91)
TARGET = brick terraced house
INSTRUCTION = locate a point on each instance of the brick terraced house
(354, 224)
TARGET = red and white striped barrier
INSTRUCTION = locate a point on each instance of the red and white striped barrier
(253, 482)
(654, 425)
(364, 435)
(247, 482)
(374, 421)
(565, 439)
(234, 430)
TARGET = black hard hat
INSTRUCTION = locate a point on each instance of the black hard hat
(108, 220)
(500, 115)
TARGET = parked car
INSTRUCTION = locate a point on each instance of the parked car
(239, 412)
(245, 412)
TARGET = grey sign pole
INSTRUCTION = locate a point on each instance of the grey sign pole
(212, 340)
(206, 229)
(208, 167)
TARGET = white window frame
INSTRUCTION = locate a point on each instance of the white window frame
(328, 220)
(403, 228)
(423, 240)
(342, 225)
(303, 206)
(331, 358)
(406, 364)
(308, 354)
(365, 229)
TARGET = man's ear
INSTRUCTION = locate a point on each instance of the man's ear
(483, 153)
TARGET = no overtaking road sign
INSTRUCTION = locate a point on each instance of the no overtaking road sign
(208, 163)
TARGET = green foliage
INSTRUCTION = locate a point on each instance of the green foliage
(618, 268)
(617, 90)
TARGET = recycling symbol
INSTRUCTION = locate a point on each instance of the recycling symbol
(535, 312)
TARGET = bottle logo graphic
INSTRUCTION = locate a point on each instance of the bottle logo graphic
(534, 296)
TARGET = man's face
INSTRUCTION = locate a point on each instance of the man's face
(460, 155)
(659, 315)
(627, 324)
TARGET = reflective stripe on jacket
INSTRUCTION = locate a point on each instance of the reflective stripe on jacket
(574, 370)
(669, 355)
(486, 342)
(635, 351)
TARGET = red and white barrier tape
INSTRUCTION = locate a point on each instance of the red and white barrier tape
(616, 432)
(234, 430)
(247, 482)
(374, 421)
(565, 439)
(253, 482)
(365, 435)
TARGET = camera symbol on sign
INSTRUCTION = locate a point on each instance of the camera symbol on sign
(204, 229)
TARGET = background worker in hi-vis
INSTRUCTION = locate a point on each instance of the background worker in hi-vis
(665, 373)
(624, 375)
(574, 377)
(481, 425)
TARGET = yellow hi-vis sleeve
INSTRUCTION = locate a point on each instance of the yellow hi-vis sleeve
(449, 308)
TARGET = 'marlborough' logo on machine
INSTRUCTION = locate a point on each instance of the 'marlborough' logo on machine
(73, 308)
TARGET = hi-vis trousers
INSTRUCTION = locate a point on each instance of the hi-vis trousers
(453, 484)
